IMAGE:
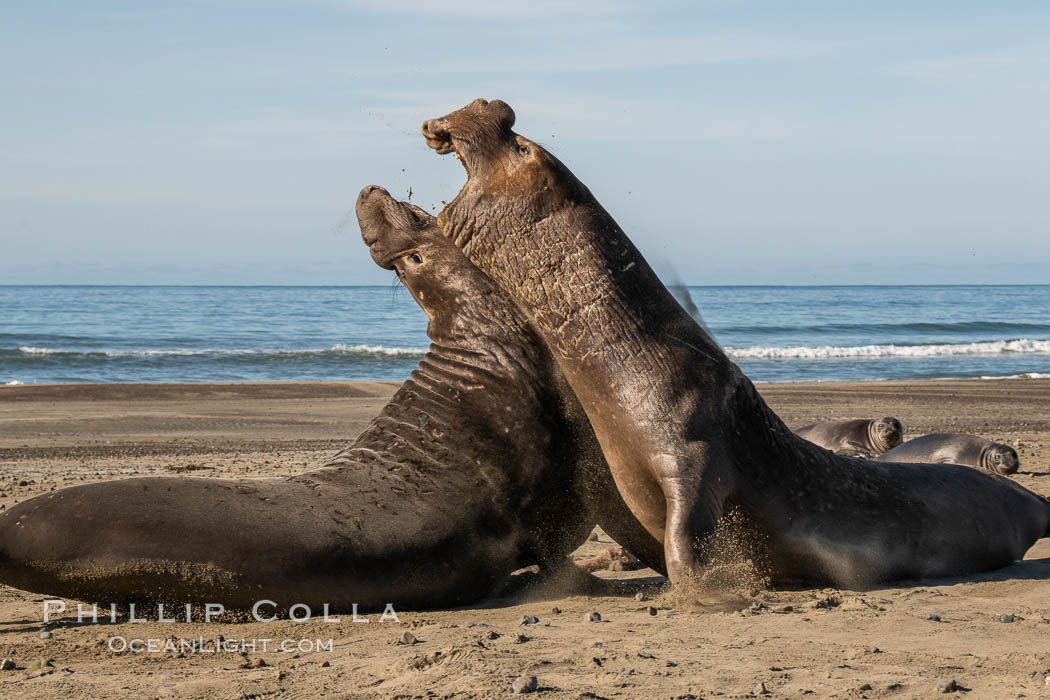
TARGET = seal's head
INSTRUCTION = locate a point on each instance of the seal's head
(504, 169)
(479, 134)
(1001, 459)
(402, 237)
(885, 433)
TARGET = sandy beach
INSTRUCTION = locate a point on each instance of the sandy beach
(989, 633)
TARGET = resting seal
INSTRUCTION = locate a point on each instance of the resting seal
(687, 436)
(953, 448)
(479, 465)
(856, 438)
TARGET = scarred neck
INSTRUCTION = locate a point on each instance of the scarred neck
(585, 286)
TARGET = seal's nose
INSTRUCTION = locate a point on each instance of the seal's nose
(367, 190)
(369, 211)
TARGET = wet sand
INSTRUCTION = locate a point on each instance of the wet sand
(880, 642)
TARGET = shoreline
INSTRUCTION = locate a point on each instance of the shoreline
(1036, 376)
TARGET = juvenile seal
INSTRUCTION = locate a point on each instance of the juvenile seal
(481, 463)
(856, 438)
(687, 436)
(954, 448)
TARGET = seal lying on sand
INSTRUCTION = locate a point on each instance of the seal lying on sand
(687, 436)
(480, 464)
(856, 438)
(953, 448)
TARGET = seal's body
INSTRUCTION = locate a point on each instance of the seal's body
(855, 438)
(686, 435)
(481, 463)
(953, 448)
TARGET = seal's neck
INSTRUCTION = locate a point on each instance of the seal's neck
(589, 292)
(482, 354)
(985, 458)
(877, 440)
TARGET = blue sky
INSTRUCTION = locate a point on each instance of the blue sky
(736, 142)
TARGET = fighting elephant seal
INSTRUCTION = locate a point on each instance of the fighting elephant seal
(954, 448)
(480, 464)
(856, 438)
(685, 433)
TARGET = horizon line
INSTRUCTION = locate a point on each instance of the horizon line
(388, 286)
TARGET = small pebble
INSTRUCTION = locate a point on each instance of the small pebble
(257, 662)
(593, 537)
(493, 634)
(7, 665)
(529, 620)
(326, 664)
(1006, 618)
(933, 618)
(760, 689)
(407, 638)
(556, 611)
(597, 645)
(521, 639)
(44, 634)
(948, 686)
(525, 684)
(865, 687)
(592, 617)
(640, 596)
(651, 610)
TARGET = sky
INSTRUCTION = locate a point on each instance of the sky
(737, 142)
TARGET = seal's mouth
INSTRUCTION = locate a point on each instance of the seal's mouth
(1009, 463)
(438, 136)
(892, 436)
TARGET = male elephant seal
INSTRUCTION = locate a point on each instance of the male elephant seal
(480, 464)
(953, 448)
(687, 436)
(855, 438)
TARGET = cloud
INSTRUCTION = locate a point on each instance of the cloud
(1009, 63)
(486, 9)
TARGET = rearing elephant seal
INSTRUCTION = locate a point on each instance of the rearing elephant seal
(481, 463)
(953, 448)
(855, 438)
(687, 436)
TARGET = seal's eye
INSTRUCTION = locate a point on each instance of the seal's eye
(524, 150)
(414, 258)
(881, 426)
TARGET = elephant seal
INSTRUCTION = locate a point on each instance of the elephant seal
(953, 448)
(856, 438)
(688, 438)
(480, 464)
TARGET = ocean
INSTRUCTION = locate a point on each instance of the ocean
(52, 334)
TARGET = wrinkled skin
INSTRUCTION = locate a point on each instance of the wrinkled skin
(855, 438)
(687, 437)
(479, 465)
(954, 448)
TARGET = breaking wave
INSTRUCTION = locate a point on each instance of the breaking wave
(1022, 346)
(338, 349)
